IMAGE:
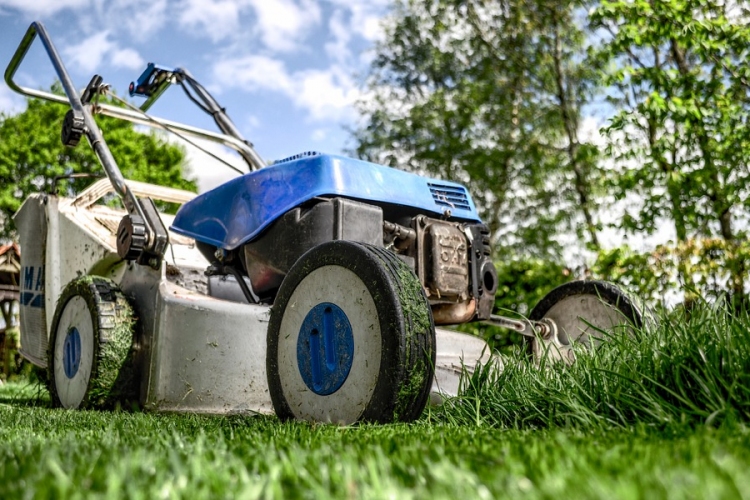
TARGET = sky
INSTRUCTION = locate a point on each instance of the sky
(288, 72)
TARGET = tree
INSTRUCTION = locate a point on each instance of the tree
(679, 77)
(490, 93)
(32, 156)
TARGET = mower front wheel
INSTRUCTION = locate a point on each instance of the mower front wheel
(351, 338)
(583, 312)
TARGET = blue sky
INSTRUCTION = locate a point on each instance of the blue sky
(287, 71)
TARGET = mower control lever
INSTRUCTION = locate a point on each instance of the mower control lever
(150, 81)
(91, 89)
(156, 79)
(151, 84)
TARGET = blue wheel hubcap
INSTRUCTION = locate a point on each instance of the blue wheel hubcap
(72, 352)
(325, 348)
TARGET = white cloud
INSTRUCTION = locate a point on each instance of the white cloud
(319, 134)
(283, 24)
(89, 54)
(42, 6)
(209, 171)
(253, 73)
(338, 49)
(369, 22)
(252, 122)
(10, 102)
(127, 58)
(366, 16)
(325, 94)
(139, 18)
(217, 19)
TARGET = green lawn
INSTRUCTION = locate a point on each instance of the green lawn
(636, 425)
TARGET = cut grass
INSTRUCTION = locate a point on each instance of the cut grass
(68, 454)
(663, 417)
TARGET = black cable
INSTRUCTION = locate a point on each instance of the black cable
(195, 101)
(170, 129)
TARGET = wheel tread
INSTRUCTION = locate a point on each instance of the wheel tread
(112, 379)
(418, 343)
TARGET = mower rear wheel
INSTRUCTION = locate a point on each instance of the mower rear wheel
(351, 338)
(583, 312)
(90, 361)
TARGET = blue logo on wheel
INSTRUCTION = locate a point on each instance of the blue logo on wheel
(325, 348)
(72, 352)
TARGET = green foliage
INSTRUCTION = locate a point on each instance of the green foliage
(679, 78)
(648, 275)
(490, 94)
(654, 276)
(32, 155)
(522, 283)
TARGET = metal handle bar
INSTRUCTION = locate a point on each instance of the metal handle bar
(93, 134)
(124, 114)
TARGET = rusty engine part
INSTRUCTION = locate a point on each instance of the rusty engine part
(453, 262)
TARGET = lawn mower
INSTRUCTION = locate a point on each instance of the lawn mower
(319, 287)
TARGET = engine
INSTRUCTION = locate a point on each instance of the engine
(255, 227)
(451, 259)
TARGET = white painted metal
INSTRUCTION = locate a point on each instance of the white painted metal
(76, 314)
(31, 221)
(457, 353)
(103, 187)
(206, 355)
(342, 287)
(78, 237)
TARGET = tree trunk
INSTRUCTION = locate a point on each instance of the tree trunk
(570, 122)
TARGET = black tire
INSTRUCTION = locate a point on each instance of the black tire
(377, 292)
(610, 296)
(90, 359)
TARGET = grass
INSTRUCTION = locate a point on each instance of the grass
(661, 415)
(685, 369)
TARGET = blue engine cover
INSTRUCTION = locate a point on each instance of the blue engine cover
(238, 211)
